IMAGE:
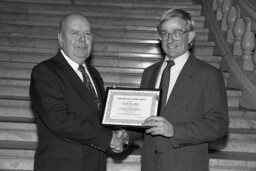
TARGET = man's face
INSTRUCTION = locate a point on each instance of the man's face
(173, 46)
(76, 38)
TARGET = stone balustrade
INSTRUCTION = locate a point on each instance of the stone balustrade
(239, 30)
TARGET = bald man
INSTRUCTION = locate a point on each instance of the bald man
(66, 94)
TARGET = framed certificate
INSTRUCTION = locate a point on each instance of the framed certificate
(130, 106)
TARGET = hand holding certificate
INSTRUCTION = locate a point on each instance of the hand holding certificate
(130, 107)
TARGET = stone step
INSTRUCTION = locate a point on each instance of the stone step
(23, 135)
(99, 8)
(122, 67)
(232, 161)
(15, 102)
(18, 135)
(50, 28)
(9, 55)
(99, 32)
(118, 1)
(107, 45)
(53, 29)
(242, 118)
(46, 42)
(108, 59)
(15, 160)
(12, 109)
(124, 3)
(16, 114)
(53, 20)
(237, 140)
(113, 76)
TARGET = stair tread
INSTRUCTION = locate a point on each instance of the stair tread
(54, 17)
(98, 39)
(103, 57)
(54, 28)
(242, 131)
(30, 54)
(212, 154)
(98, 34)
(233, 156)
(144, 4)
(95, 8)
(117, 70)
(53, 20)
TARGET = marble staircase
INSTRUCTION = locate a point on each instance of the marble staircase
(125, 42)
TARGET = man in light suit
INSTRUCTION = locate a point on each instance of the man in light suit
(194, 105)
(66, 94)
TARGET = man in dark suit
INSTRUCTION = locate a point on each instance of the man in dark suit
(66, 94)
(193, 108)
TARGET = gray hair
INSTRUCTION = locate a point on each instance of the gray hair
(179, 13)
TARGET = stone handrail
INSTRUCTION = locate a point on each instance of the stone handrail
(241, 77)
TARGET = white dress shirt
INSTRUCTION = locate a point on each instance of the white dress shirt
(175, 71)
(75, 68)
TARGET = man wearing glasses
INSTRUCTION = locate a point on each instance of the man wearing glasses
(193, 108)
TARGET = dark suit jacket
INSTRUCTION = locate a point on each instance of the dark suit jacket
(197, 108)
(71, 137)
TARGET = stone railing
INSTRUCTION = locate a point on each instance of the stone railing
(233, 30)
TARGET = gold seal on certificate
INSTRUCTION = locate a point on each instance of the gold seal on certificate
(130, 106)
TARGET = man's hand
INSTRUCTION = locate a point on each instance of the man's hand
(119, 141)
(159, 126)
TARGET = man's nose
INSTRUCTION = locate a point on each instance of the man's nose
(82, 37)
(170, 38)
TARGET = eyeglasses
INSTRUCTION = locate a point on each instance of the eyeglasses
(176, 34)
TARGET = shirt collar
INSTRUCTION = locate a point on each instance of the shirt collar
(73, 64)
(179, 61)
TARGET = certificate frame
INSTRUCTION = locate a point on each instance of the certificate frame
(129, 107)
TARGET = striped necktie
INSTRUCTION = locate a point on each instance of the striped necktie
(89, 86)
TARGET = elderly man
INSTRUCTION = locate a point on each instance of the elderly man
(66, 94)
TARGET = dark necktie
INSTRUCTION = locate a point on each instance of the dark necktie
(89, 85)
(165, 81)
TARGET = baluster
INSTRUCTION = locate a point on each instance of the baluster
(219, 13)
(254, 58)
(214, 5)
(238, 31)
(231, 18)
(248, 45)
(225, 9)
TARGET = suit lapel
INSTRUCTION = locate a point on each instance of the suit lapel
(154, 74)
(184, 80)
(73, 77)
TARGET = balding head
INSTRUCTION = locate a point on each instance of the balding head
(75, 37)
(71, 17)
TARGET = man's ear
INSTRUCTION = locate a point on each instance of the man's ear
(159, 36)
(60, 39)
(191, 36)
